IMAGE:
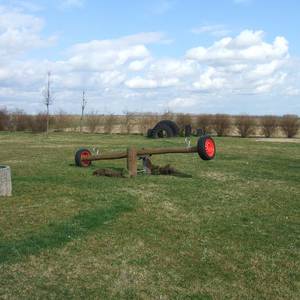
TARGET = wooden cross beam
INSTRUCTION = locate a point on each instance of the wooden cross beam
(205, 148)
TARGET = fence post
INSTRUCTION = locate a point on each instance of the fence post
(132, 161)
(5, 181)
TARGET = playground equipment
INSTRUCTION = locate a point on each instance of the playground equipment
(206, 149)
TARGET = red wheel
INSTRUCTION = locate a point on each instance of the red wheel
(206, 147)
(80, 158)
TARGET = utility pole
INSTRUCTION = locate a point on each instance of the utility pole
(48, 99)
(83, 105)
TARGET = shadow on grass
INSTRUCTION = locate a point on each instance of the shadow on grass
(57, 235)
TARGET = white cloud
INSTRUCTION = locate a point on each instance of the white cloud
(179, 103)
(20, 32)
(210, 80)
(138, 65)
(214, 30)
(247, 46)
(121, 73)
(141, 83)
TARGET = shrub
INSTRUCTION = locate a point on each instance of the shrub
(183, 120)
(143, 124)
(204, 122)
(61, 121)
(38, 123)
(20, 121)
(269, 125)
(245, 125)
(128, 122)
(221, 124)
(289, 124)
(109, 123)
(168, 115)
(4, 119)
(147, 121)
(93, 120)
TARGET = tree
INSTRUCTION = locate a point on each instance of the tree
(48, 100)
(245, 125)
(269, 125)
(290, 125)
(221, 124)
(83, 105)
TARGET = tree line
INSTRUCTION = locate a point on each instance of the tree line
(139, 123)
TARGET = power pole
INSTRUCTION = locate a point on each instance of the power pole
(48, 99)
(83, 105)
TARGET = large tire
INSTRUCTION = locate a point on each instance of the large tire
(172, 125)
(206, 147)
(167, 123)
(150, 133)
(162, 130)
(79, 158)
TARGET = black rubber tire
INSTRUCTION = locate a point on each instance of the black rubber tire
(187, 130)
(173, 126)
(78, 161)
(150, 133)
(203, 152)
(162, 130)
(200, 132)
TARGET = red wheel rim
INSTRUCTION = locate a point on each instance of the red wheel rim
(210, 148)
(85, 154)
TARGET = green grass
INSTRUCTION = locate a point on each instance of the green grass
(230, 232)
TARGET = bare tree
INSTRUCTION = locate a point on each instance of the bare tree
(221, 124)
(204, 122)
(83, 105)
(290, 125)
(128, 121)
(269, 125)
(93, 121)
(245, 125)
(110, 121)
(48, 99)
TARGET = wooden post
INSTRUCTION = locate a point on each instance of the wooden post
(5, 181)
(132, 161)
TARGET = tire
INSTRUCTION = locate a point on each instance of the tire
(188, 130)
(150, 133)
(206, 147)
(162, 130)
(200, 132)
(79, 158)
(173, 126)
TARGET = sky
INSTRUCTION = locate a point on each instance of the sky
(191, 56)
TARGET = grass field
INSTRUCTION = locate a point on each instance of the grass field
(230, 232)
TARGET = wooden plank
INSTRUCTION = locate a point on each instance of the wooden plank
(144, 151)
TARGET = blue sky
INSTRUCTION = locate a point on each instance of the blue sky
(232, 56)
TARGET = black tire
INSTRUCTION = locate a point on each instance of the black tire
(78, 158)
(200, 132)
(162, 130)
(206, 147)
(150, 133)
(173, 126)
(188, 130)
(170, 124)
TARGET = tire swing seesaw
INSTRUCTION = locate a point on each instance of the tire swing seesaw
(206, 149)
